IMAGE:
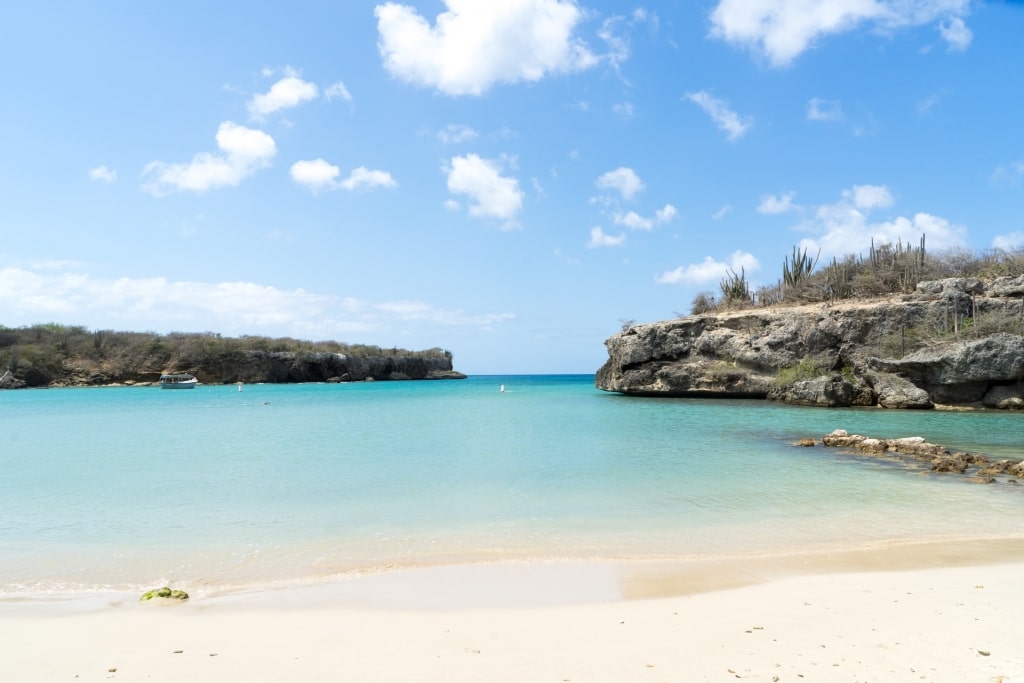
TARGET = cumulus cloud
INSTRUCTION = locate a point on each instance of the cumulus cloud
(289, 92)
(770, 204)
(599, 239)
(819, 109)
(318, 175)
(725, 118)
(781, 30)
(455, 133)
(362, 178)
(1012, 240)
(491, 194)
(634, 221)
(956, 34)
(709, 270)
(846, 227)
(474, 45)
(337, 90)
(231, 308)
(623, 180)
(102, 173)
(243, 151)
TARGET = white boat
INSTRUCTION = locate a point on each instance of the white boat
(178, 380)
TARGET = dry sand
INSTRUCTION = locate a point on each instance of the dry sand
(938, 617)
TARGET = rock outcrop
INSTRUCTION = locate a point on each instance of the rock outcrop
(953, 342)
(917, 454)
(286, 367)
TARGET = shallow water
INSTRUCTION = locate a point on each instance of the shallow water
(118, 488)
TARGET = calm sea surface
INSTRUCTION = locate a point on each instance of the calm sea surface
(120, 488)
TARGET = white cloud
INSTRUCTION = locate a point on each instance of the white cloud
(455, 133)
(623, 110)
(623, 179)
(474, 45)
(781, 30)
(709, 270)
(452, 205)
(362, 178)
(599, 239)
(846, 227)
(492, 194)
(243, 151)
(337, 90)
(819, 109)
(956, 34)
(870, 196)
(316, 174)
(107, 175)
(1012, 240)
(634, 221)
(665, 213)
(725, 118)
(721, 213)
(289, 92)
(320, 175)
(230, 308)
(770, 204)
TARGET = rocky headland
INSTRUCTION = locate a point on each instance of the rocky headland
(951, 343)
(59, 356)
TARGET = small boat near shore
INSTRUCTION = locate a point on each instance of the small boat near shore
(178, 380)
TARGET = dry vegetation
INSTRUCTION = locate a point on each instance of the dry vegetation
(52, 351)
(887, 269)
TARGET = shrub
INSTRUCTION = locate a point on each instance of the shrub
(803, 370)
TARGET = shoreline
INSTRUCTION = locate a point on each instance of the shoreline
(546, 582)
(914, 613)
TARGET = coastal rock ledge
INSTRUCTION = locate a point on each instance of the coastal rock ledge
(953, 343)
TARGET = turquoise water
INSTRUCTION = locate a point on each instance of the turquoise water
(118, 488)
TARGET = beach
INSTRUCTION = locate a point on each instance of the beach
(937, 617)
(454, 532)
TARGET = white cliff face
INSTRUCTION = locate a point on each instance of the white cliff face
(952, 341)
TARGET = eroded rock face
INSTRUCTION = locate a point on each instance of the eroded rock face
(741, 353)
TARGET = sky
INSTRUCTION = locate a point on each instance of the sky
(510, 180)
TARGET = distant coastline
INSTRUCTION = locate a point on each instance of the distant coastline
(53, 355)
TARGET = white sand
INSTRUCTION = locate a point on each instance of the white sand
(941, 623)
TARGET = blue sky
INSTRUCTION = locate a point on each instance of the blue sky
(506, 179)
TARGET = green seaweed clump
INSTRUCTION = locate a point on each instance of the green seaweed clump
(164, 592)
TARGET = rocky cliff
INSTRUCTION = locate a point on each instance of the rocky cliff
(953, 342)
(283, 367)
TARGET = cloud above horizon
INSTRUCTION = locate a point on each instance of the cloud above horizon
(710, 270)
(725, 118)
(230, 308)
(288, 92)
(845, 227)
(782, 30)
(473, 46)
(318, 174)
(492, 195)
(243, 151)
(623, 180)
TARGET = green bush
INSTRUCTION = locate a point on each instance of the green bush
(803, 370)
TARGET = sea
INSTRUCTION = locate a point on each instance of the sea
(219, 488)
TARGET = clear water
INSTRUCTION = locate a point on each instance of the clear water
(119, 488)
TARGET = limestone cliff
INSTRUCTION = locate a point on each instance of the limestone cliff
(951, 342)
